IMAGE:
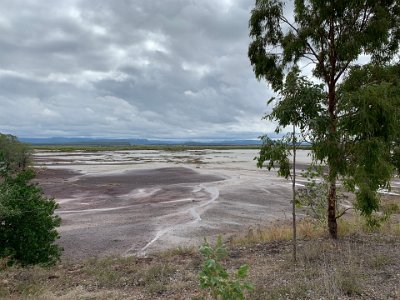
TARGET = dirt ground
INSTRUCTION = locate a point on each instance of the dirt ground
(139, 202)
(136, 202)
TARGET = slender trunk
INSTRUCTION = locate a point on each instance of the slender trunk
(332, 161)
(332, 224)
(294, 197)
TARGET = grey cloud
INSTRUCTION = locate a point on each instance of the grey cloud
(159, 69)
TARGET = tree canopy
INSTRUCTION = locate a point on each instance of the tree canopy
(331, 36)
(369, 123)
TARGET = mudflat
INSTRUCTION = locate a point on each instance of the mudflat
(136, 202)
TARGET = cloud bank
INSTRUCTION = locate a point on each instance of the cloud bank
(150, 69)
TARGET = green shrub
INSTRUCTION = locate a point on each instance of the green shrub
(27, 224)
(314, 195)
(14, 156)
(215, 277)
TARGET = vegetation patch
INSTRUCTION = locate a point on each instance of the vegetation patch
(27, 224)
(325, 269)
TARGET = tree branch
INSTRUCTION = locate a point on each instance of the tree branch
(320, 61)
(343, 212)
(311, 59)
(363, 23)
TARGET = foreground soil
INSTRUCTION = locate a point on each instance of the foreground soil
(358, 266)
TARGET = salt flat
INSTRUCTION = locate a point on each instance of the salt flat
(136, 202)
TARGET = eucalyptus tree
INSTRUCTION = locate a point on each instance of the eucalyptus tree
(331, 35)
(299, 104)
(369, 121)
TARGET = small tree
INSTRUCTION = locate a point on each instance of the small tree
(298, 106)
(14, 156)
(331, 35)
(215, 277)
(313, 194)
(27, 224)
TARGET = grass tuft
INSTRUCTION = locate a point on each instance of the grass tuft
(306, 229)
(157, 278)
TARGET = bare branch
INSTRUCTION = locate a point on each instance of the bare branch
(343, 212)
(311, 59)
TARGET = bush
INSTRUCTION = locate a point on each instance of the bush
(314, 195)
(216, 279)
(14, 156)
(27, 225)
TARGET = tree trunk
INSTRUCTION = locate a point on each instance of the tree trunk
(294, 197)
(332, 224)
(332, 160)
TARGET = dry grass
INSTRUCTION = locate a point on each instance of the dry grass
(360, 265)
(308, 228)
(279, 232)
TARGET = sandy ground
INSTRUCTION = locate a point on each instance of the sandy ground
(136, 202)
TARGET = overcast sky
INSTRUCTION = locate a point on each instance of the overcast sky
(129, 68)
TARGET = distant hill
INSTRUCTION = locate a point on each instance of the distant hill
(224, 143)
(127, 142)
(74, 141)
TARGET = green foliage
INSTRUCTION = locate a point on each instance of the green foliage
(27, 224)
(354, 126)
(375, 220)
(370, 125)
(319, 27)
(314, 194)
(215, 277)
(299, 103)
(277, 154)
(14, 155)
